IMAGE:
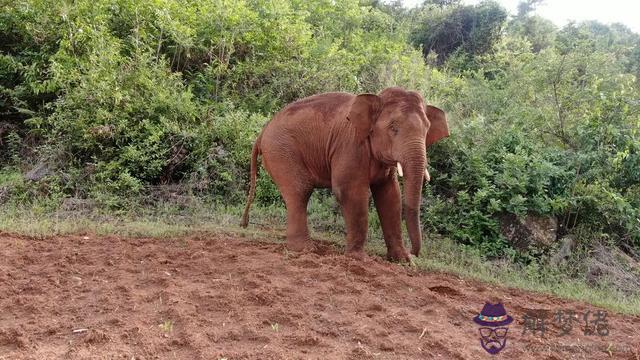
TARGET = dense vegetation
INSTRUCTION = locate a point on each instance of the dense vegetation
(110, 99)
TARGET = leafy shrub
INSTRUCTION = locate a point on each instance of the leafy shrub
(463, 29)
(120, 96)
(484, 171)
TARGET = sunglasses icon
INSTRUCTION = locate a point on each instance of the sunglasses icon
(499, 333)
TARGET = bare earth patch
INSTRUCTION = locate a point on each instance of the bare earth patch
(221, 297)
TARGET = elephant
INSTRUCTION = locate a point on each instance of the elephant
(352, 144)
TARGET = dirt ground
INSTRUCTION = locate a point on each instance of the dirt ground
(215, 297)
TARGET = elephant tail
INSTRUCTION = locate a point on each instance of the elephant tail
(252, 181)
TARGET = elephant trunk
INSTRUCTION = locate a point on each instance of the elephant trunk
(413, 165)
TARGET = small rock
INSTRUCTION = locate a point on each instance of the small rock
(610, 265)
(386, 346)
(4, 194)
(40, 171)
(567, 244)
(527, 231)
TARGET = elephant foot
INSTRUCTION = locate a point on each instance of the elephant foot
(357, 254)
(300, 244)
(399, 254)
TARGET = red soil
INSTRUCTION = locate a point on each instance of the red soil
(214, 297)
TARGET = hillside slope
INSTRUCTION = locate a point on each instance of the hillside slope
(214, 297)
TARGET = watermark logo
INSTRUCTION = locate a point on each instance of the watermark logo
(493, 320)
(535, 322)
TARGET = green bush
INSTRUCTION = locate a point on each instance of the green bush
(121, 97)
(484, 171)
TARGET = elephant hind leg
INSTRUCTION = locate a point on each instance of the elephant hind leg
(292, 181)
(298, 238)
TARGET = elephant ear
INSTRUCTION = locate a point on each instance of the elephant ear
(439, 127)
(363, 113)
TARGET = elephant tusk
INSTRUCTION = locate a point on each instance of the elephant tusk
(427, 176)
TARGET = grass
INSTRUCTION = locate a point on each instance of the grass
(439, 254)
(444, 255)
(167, 326)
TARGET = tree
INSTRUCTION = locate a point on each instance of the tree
(472, 29)
(528, 6)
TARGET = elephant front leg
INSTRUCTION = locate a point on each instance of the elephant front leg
(387, 198)
(355, 210)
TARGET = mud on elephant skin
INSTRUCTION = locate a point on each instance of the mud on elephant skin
(351, 144)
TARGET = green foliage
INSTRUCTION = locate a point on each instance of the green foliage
(539, 31)
(466, 30)
(134, 94)
(551, 132)
(122, 96)
(487, 170)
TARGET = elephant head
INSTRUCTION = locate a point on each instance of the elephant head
(400, 126)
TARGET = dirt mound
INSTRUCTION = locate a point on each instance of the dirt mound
(222, 297)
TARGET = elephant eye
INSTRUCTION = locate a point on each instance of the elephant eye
(394, 129)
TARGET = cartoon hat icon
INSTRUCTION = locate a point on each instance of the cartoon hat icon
(493, 315)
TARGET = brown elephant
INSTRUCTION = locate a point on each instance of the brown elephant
(351, 144)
